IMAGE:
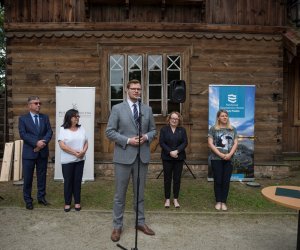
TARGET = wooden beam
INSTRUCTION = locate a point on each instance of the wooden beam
(7, 162)
(146, 2)
(117, 26)
(291, 40)
(18, 160)
(127, 8)
(163, 9)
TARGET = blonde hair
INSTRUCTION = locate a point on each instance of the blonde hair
(179, 116)
(217, 123)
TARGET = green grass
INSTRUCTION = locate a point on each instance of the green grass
(196, 195)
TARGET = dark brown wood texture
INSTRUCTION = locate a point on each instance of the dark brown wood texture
(38, 63)
(246, 12)
(67, 42)
(237, 12)
(291, 126)
(44, 10)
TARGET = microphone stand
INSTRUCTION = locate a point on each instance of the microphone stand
(138, 178)
(138, 174)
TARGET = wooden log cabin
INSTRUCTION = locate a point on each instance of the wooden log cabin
(103, 43)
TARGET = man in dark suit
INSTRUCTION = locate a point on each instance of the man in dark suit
(123, 129)
(35, 130)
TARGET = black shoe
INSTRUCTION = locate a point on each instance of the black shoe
(29, 206)
(77, 207)
(43, 201)
(67, 209)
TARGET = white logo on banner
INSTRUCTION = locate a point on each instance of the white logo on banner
(75, 106)
(232, 98)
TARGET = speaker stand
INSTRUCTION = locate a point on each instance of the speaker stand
(186, 166)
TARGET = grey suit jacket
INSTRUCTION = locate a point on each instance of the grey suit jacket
(121, 126)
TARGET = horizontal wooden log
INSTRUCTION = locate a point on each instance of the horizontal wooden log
(46, 26)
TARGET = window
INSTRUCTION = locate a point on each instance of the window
(154, 71)
(116, 78)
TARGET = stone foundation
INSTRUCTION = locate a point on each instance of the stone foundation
(271, 170)
(266, 170)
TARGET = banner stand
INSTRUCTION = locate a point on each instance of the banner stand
(83, 100)
(239, 101)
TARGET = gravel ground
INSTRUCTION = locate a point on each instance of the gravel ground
(44, 228)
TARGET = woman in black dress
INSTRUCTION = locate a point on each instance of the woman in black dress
(173, 141)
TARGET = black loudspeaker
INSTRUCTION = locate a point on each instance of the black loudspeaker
(177, 91)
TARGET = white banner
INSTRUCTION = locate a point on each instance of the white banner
(82, 99)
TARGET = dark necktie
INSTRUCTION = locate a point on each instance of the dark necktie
(135, 114)
(36, 121)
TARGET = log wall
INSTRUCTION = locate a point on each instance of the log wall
(237, 12)
(44, 10)
(2, 121)
(39, 62)
(291, 108)
(246, 12)
(57, 42)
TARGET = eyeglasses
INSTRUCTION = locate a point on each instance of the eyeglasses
(135, 89)
(36, 103)
(176, 119)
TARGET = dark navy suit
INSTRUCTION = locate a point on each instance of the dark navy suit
(31, 134)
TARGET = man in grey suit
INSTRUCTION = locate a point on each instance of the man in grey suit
(122, 128)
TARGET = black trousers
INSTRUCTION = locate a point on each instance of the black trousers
(172, 170)
(222, 171)
(41, 173)
(72, 173)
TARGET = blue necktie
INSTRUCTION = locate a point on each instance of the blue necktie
(36, 121)
(135, 114)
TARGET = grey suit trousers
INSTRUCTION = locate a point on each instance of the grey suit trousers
(122, 178)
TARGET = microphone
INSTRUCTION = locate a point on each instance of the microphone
(139, 99)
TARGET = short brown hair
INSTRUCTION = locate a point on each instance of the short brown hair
(133, 81)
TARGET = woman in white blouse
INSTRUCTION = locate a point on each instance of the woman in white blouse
(73, 142)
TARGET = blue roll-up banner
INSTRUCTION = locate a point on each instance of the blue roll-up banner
(239, 101)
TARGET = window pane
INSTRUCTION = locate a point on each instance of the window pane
(116, 92)
(116, 77)
(155, 92)
(135, 75)
(135, 62)
(116, 69)
(173, 62)
(154, 77)
(155, 82)
(115, 102)
(173, 75)
(116, 62)
(135, 66)
(154, 62)
(173, 107)
(156, 107)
